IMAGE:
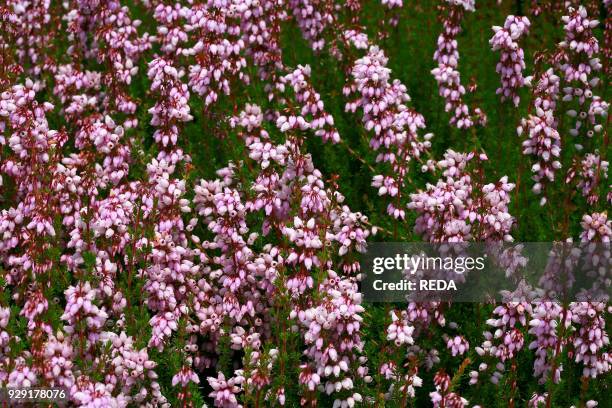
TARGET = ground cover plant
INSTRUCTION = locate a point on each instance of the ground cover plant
(186, 189)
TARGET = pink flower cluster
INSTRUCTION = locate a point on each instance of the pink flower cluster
(542, 138)
(545, 320)
(395, 126)
(240, 279)
(313, 19)
(593, 171)
(580, 62)
(115, 44)
(443, 396)
(512, 59)
(260, 27)
(333, 340)
(579, 65)
(172, 106)
(312, 106)
(591, 340)
(446, 73)
(460, 207)
(218, 50)
(458, 345)
(507, 340)
(27, 22)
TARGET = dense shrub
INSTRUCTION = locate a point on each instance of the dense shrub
(187, 188)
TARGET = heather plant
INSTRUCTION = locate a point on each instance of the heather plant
(187, 189)
(512, 58)
(446, 73)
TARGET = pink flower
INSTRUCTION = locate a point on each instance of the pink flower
(185, 376)
(224, 391)
(458, 345)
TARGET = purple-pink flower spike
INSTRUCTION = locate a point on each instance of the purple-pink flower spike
(512, 57)
(446, 73)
